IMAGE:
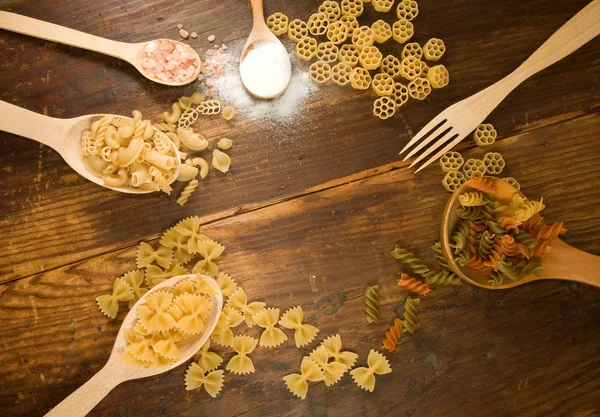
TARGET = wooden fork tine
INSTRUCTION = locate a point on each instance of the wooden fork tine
(440, 153)
(439, 131)
(434, 147)
(433, 123)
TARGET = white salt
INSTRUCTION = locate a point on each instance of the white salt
(266, 69)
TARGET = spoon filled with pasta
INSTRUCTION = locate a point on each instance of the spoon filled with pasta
(124, 154)
(163, 61)
(494, 237)
(165, 327)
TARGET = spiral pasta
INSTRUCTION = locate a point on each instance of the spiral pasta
(494, 163)
(278, 23)
(452, 180)
(384, 107)
(442, 278)
(319, 72)
(297, 30)
(341, 73)
(327, 52)
(306, 48)
(483, 184)
(413, 285)
(348, 54)
(370, 57)
(451, 161)
(419, 88)
(187, 192)
(546, 232)
(383, 85)
(433, 49)
(407, 9)
(392, 335)
(411, 314)
(438, 254)
(409, 260)
(402, 31)
(485, 135)
(372, 303)
(474, 167)
(471, 198)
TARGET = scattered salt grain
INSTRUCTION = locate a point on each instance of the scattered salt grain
(211, 38)
(194, 35)
(179, 25)
(210, 82)
(183, 33)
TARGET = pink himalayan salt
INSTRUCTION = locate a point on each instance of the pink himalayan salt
(169, 61)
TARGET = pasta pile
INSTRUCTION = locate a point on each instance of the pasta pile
(497, 240)
(354, 47)
(134, 152)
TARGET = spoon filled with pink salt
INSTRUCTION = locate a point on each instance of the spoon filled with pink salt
(163, 61)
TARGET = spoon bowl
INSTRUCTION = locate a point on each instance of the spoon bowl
(130, 52)
(64, 136)
(116, 371)
(563, 262)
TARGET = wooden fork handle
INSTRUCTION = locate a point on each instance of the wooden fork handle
(56, 33)
(566, 262)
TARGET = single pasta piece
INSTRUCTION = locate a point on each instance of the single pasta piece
(413, 285)
(352, 8)
(409, 260)
(306, 48)
(382, 6)
(226, 283)
(209, 107)
(154, 315)
(451, 161)
(304, 333)
(402, 31)
(419, 88)
(228, 113)
(474, 167)
(241, 364)
(370, 57)
(337, 32)
(400, 94)
(317, 24)
(341, 73)
(547, 232)
(438, 76)
(384, 107)
(411, 314)
(348, 54)
(195, 378)
(189, 116)
(412, 49)
(319, 72)
(382, 30)
(530, 208)
(296, 383)
(391, 66)
(485, 135)
(471, 199)
(225, 143)
(512, 182)
(332, 370)
(221, 161)
(433, 49)
(485, 185)
(109, 304)
(267, 319)
(331, 9)
(392, 335)
(372, 303)
(377, 365)
(351, 23)
(360, 79)
(494, 163)
(147, 255)
(327, 52)
(209, 250)
(362, 37)
(383, 85)
(407, 9)
(187, 192)
(411, 68)
(228, 319)
(239, 301)
(135, 279)
(278, 23)
(333, 344)
(190, 311)
(297, 30)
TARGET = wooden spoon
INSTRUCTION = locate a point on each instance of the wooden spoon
(271, 72)
(563, 262)
(64, 136)
(130, 52)
(85, 398)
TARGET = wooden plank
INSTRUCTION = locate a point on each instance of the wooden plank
(49, 217)
(528, 351)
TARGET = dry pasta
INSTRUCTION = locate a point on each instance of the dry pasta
(333, 344)
(413, 285)
(370, 57)
(341, 73)
(411, 314)
(451, 161)
(221, 161)
(327, 52)
(452, 180)
(239, 301)
(146, 255)
(135, 279)
(267, 318)
(225, 143)
(187, 192)
(309, 371)
(383, 6)
(407, 9)
(409, 260)
(304, 333)
(209, 250)
(384, 107)
(228, 319)
(190, 228)
(391, 66)
(351, 23)
(278, 23)
(241, 364)
(360, 79)
(382, 31)
(485, 135)
(109, 304)
(392, 335)
(317, 23)
(337, 32)
(400, 94)
(320, 72)
(362, 37)
(411, 67)
(306, 48)
(438, 76)
(474, 167)
(471, 199)
(372, 303)
(348, 54)
(352, 8)
(209, 107)
(228, 113)
(494, 163)
(332, 370)
(402, 30)
(377, 365)
(512, 182)
(297, 30)
(331, 9)
(383, 84)
(412, 49)
(433, 49)
(419, 88)
(195, 378)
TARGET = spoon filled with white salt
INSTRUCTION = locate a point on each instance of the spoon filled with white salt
(265, 66)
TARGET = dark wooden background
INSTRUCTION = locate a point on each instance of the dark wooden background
(322, 198)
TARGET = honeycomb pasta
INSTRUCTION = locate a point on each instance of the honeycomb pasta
(383, 84)
(407, 9)
(438, 76)
(451, 161)
(411, 67)
(331, 9)
(400, 94)
(327, 52)
(351, 23)
(382, 31)
(433, 49)
(384, 107)
(278, 23)
(360, 79)
(412, 49)
(485, 135)
(337, 32)
(402, 30)
(474, 167)
(494, 163)
(317, 23)
(297, 30)
(352, 8)
(383, 6)
(419, 88)
(512, 182)
(363, 37)
(370, 57)
(320, 72)
(340, 73)
(391, 66)
(452, 180)
(348, 54)
(306, 49)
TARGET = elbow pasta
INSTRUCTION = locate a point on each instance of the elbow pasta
(278, 23)
(384, 107)
(438, 76)
(382, 31)
(351, 23)
(433, 49)
(382, 6)
(317, 24)
(340, 73)
(383, 85)
(363, 37)
(485, 135)
(348, 54)
(331, 9)
(360, 79)
(419, 88)
(402, 31)
(411, 68)
(452, 180)
(451, 161)
(391, 66)
(320, 72)
(494, 163)
(412, 49)
(337, 32)
(370, 57)
(400, 94)
(407, 9)
(327, 52)
(352, 8)
(306, 49)
(297, 30)
(474, 167)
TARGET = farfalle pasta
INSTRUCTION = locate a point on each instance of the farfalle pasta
(196, 377)
(377, 365)
(384, 107)
(109, 304)
(190, 228)
(333, 344)
(278, 23)
(383, 85)
(297, 383)
(135, 280)
(332, 370)
(370, 57)
(190, 312)
(228, 319)
(297, 30)
(240, 363)
(451, 161)
(174, 240)
(239, 300)
(209, 250)
(402, 31)
(208, 360)
(267, 318)
(147, 255)
(304, 333)
(226, 283)
(155, 275)
(154, 314)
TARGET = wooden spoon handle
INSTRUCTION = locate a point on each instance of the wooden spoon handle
(56, 33)
(47, 130)
(566, 262)
(87, 396)
(258, 13)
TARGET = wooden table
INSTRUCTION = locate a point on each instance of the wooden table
(308, 213)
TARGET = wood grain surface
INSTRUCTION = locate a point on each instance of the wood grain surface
(308, 214)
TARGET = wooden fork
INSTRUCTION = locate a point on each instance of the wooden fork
(452, 125)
